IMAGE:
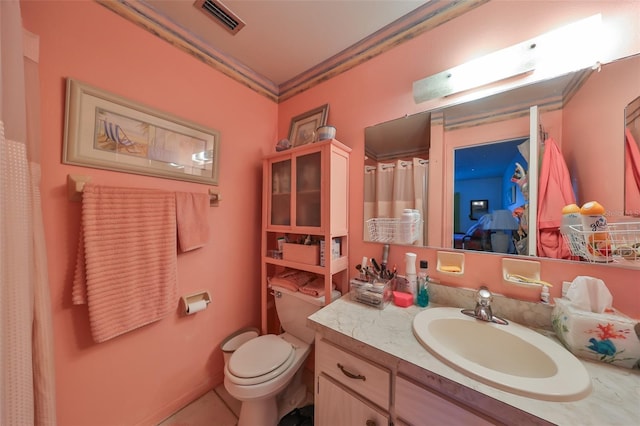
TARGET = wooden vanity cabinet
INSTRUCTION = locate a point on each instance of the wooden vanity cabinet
(349, 390)
(353, 390)
(418, 405)
(305, 193)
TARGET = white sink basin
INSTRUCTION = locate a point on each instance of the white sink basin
(509, 357)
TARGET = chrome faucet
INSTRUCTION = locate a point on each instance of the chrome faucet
(483, 311)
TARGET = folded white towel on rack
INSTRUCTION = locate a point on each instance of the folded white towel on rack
(126, 269)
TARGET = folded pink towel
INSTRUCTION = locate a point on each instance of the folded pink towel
(192, 217)
(315, 288)
(291, 279)
(126, 269)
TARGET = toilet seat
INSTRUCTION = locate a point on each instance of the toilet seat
(260, 359)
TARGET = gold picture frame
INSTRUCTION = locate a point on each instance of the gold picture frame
(303, 127)
(107, 131)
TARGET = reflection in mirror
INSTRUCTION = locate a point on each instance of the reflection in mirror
(582, 112)
(486, 171)
(395, 178)
(632, 159)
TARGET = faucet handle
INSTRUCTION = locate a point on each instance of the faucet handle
(484, 296)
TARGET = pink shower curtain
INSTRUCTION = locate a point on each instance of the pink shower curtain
(27, 384)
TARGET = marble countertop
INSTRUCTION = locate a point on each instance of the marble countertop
(614, 400)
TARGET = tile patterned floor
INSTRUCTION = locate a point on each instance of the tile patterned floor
(215, 408)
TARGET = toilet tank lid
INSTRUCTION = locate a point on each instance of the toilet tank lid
(319, 301)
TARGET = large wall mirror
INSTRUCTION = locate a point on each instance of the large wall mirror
(586, 113)
(396, 174)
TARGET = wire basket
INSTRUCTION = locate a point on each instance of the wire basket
(393, 230)
(620, 241)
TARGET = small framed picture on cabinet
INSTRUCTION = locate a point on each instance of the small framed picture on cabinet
(303, 126)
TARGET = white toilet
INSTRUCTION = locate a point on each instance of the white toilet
(265, 373)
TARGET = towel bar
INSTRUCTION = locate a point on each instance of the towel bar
(75, 185)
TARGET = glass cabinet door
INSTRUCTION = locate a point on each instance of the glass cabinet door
(281, 193)
(308, 194)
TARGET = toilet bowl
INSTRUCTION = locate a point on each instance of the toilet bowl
(260, 370)
(265, 373)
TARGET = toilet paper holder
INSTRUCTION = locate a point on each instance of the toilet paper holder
(195, 299)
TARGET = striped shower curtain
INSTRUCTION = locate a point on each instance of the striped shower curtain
(27, 385)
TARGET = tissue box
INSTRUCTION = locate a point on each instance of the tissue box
(609, 338)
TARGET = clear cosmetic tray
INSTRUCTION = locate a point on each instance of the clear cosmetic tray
(377, 294)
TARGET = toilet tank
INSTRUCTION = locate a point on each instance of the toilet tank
(293, 309)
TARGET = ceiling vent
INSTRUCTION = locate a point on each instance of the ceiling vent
(221, 14)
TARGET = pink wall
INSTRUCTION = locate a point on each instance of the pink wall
(593, 133)
(144, 375)
(381, 90)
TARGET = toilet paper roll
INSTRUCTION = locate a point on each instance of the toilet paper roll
(194, 307)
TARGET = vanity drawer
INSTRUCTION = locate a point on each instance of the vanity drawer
(416, 405)
(362, 376)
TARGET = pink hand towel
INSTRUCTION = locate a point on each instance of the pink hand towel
(315, 288)
(291, 279)
(192, 212)
(126, 269)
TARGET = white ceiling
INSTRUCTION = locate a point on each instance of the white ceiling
(284, 38)
(289, 46)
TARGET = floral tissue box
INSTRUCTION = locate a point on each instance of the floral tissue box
(611, 338)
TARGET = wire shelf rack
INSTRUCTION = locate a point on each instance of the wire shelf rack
(619, 241)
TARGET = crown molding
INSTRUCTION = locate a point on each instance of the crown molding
(425, 18)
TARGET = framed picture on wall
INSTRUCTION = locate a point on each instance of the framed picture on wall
(478, 208)
(303, 127)
(106, 131)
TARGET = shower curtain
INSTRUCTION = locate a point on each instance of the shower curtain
(389, 188)
(27, 385)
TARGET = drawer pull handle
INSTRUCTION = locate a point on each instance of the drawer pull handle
(349, 374)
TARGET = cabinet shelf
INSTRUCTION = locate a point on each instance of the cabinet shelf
(308, 192)
(337, 265)
(319, 208)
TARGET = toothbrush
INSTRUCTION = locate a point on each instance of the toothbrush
(524, 279)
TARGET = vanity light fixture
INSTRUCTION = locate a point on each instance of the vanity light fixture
(561, 51)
